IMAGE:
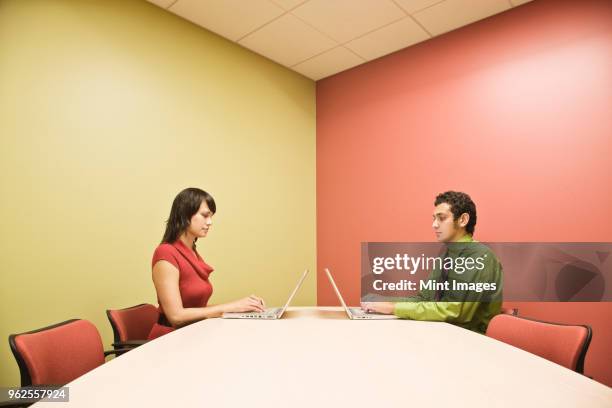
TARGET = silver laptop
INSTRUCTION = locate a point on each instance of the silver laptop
(268, 314)
(357, 313)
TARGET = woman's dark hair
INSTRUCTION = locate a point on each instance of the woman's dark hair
(459, 203)
(185, 205)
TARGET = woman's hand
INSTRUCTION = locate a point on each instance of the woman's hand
(378, 307)
(248, 304)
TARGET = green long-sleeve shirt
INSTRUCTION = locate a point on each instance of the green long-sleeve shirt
(467, 309)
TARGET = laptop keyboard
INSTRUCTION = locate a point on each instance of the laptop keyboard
(267, 312)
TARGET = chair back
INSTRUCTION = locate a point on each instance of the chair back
(563, 344)
(57, 354)
(132, 323)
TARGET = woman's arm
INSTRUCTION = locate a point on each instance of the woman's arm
(166, 280)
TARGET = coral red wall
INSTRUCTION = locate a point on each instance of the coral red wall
(515, 110)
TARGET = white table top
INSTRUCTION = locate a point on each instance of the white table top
(316, 357)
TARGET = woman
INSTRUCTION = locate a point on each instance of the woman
(180, 275)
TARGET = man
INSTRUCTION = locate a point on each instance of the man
(454, 221)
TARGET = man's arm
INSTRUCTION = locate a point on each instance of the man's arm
(458, 312)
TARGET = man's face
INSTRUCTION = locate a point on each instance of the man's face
(445, 227)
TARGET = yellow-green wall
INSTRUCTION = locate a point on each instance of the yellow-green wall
(108, 109)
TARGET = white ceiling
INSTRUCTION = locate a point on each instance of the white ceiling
(319, 38)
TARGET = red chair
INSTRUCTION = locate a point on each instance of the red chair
(509, 311)
(132, 325)
(563, 344)
(56, 355)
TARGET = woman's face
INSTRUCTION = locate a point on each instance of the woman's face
(201, 221)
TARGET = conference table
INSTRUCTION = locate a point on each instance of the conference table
(316, 357)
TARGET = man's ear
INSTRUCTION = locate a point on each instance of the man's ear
(464, 219)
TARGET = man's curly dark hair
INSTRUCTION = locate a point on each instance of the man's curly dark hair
(459, 203)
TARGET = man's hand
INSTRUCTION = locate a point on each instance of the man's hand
(378, 307)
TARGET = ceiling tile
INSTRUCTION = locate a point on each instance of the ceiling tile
(288, 41)
(288, 4)
(411, 6)
(388, 39)
(519, 2)
(328, 63)
(230, 18)
(162, 3)
(344, 20)
(451, 14)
